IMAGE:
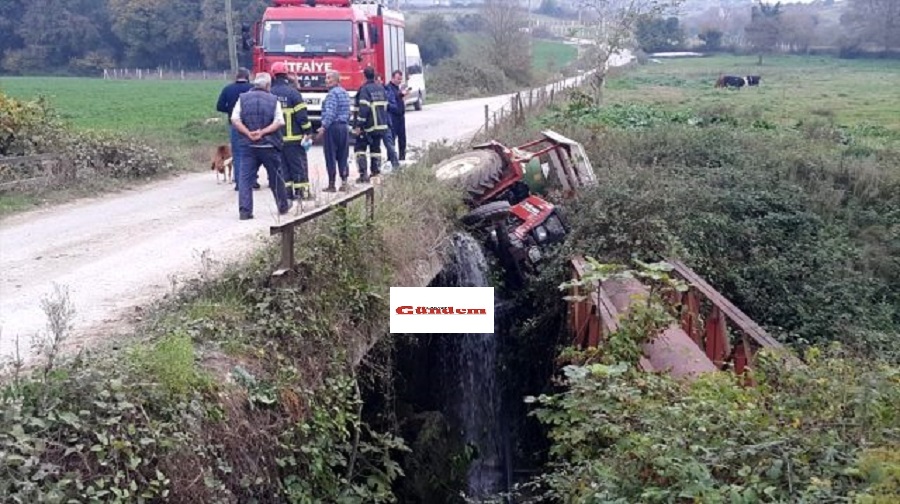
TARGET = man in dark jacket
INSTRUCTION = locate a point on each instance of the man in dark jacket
(296, 128)
(388, 133)
(227, 98)
(397, 109)
(369, 125)
(258, 118)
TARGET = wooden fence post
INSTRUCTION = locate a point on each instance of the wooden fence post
(486, 120)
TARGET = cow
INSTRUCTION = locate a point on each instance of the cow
(730, 81)
(753, 80)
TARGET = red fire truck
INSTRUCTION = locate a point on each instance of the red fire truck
(314, 36)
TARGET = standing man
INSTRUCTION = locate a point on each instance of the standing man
(296, 128)
(388, 135)
(335, 121)
(227, 98)
(369, 125)
(397, 109)
(258, 118)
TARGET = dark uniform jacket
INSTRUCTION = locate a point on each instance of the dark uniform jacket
(396, 105)
(371, 105)
(296, 120)
(229, 96)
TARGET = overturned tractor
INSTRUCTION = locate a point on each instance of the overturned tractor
(506, 189)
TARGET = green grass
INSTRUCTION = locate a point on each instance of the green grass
(164, 111)
(15, 202)
(849, 92)
(547, 55)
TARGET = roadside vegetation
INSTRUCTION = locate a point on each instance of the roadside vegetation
(234, 389)
(794, 217)
(82, 161)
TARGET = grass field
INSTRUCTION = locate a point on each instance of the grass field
(546, 56)
(848, 92)
(163, 111)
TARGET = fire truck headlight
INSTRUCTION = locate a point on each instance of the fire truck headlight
(540, 233)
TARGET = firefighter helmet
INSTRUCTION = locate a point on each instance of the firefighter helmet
(278, 68)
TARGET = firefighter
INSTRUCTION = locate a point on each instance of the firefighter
(297, 127)
(370, 124)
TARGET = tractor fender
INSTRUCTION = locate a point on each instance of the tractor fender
(488, 212)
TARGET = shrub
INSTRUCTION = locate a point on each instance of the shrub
(33, 127)
(468, 79)
(822, 433)
(799, 234)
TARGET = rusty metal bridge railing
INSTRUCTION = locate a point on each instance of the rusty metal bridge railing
(725, 334)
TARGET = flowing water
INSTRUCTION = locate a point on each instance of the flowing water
(472, 390)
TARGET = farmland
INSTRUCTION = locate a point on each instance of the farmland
(161, 111)
(859, 93)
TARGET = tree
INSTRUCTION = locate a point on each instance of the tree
(873, 21)
(711, 38)
(764, 30)
(434, 37)
(509, 43)
(655, 34)
(550, 8)
(618, 19)
(798, 28)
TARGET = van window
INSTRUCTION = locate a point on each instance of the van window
(413, 66)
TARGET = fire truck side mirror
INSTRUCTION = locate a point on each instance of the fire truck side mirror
(246, 38)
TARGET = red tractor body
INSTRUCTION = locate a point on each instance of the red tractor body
(504, 189)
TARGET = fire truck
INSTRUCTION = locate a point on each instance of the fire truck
(312, 37)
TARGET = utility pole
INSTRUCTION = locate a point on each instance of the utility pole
(232, 49)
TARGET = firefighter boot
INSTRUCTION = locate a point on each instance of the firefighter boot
(361, 162)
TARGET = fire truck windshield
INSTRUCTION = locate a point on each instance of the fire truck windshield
(308, 36)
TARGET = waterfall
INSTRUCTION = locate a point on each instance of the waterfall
(472, 391)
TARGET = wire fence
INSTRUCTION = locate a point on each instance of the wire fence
(525, 103)
(163, 74)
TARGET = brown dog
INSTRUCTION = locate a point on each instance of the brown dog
(223, 163)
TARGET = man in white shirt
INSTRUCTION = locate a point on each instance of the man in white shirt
(257, 116)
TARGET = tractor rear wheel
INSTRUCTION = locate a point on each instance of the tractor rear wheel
(478, 171)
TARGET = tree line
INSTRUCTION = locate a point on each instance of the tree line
(83, 37)
(850, 28)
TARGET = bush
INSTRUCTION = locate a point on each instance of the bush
(468, 79)
(33, 127)
(800, 233)
(828, 432)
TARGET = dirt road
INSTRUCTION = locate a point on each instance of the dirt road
(118, 253)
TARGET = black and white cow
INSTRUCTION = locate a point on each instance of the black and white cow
(730, 81)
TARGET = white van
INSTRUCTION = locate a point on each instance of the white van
(415, 77)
